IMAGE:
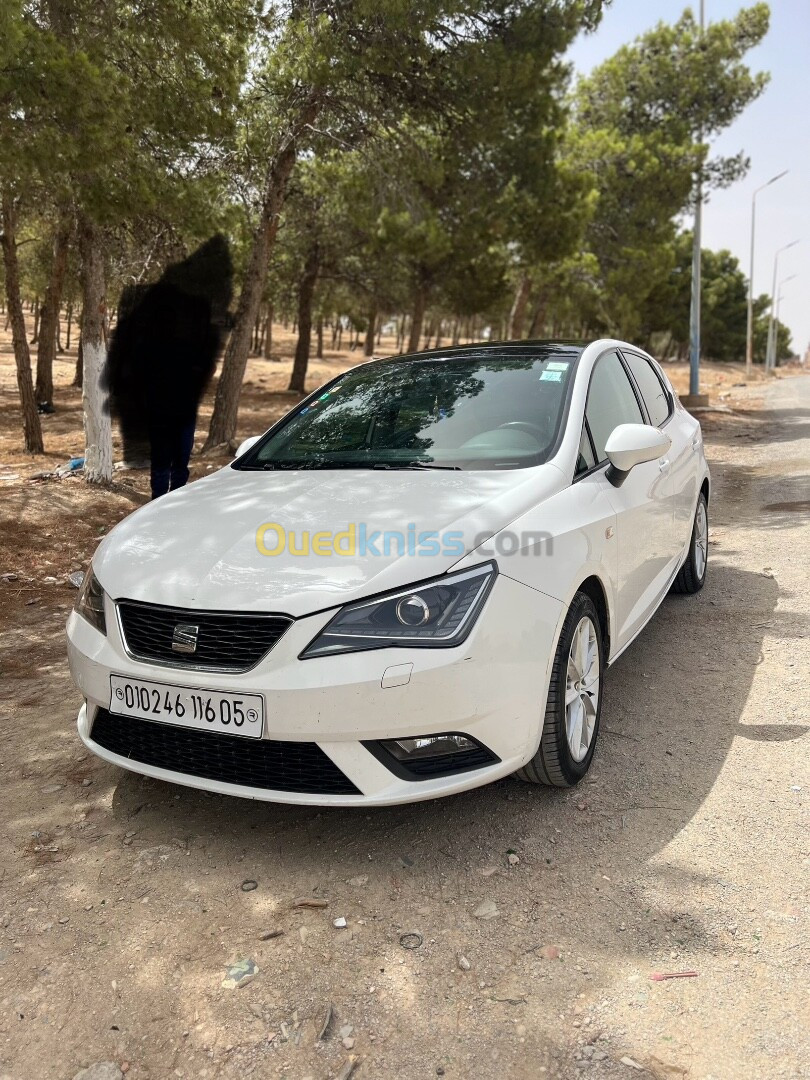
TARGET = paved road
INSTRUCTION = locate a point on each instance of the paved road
(687, 849)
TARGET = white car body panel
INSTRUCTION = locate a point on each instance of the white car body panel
(196, 550)
(201, 540)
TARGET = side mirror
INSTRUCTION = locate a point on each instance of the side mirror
(246, 444)
(632, 444)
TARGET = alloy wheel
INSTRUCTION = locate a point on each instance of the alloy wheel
(701, 541)
(582, 688)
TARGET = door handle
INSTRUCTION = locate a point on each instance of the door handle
(663, 464)
(696, 443)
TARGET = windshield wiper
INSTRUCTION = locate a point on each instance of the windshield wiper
(269, 466)
(311, 465)
(417, 465)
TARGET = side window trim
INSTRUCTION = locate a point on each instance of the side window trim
(586, 430)
(585, 434)
(664, 388)
(642, 404)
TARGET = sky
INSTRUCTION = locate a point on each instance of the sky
(774, 132)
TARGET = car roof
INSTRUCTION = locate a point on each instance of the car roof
(539, 347)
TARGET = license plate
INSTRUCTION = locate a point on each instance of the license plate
(188, 706)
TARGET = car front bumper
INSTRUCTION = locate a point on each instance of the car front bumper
(491, 688)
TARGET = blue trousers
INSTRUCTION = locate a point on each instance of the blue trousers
(170, 449)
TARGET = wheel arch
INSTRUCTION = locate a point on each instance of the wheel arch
(594, 588)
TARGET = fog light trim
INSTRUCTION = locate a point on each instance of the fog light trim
(422, 765)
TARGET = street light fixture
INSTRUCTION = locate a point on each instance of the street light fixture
(779, 299)
(695, 301)
(749, 339)
(770, 355)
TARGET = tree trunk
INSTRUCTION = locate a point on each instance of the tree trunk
(35, 309)
(268, 334)
(319, 347)
(78, 377)
(371, 330)
(98, 456)
(32, 427)
(306, 291)
(69, 326)
(49, 315)
(539, 316)
(517, 315)
(417, 318)
(226, 403)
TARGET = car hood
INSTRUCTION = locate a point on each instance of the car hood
(197, 547)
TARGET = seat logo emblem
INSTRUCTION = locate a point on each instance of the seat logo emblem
(184, 638)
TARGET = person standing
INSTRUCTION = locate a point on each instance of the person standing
(162, 356)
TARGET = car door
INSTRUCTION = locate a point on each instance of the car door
(683, 430)
(642, 499)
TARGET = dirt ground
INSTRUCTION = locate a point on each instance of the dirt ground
(687, 848)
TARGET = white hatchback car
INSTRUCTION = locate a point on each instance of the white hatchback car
(411, 585)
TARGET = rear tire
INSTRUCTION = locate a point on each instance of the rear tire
(692, 574)
(575, 693)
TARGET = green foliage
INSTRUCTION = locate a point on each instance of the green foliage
(106, 105)
(679, 85)
(640, 121)
(724, 312)
(447, 161)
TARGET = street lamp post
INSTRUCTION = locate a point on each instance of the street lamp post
(694, 307)
(770, 355)
(784, 281)
(749, 338)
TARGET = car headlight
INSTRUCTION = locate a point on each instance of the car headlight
(438, 613)
(90, 602)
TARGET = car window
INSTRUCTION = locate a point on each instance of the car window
(655, 396)
(585, 458)
(478, 411)
(611, 401)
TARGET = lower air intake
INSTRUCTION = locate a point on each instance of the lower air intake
(259, 763)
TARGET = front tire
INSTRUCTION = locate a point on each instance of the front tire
(692, 574)
(574, 703)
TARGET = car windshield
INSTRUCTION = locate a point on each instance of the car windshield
(485, 410)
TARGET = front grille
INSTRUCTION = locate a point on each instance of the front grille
(257, 763)
(224, 642)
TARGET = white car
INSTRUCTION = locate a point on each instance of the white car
(411, 585)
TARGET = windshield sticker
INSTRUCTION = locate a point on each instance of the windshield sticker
(550, 376)
(558, 365)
